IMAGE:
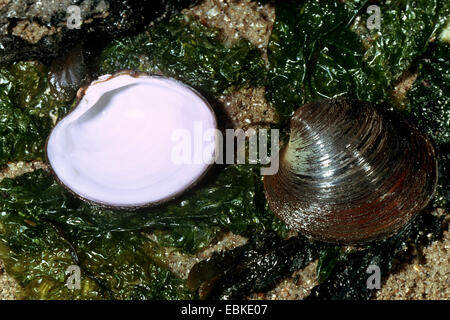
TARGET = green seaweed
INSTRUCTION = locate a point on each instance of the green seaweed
(318, 49)
(43, 226)
(406, 29)
(233, 199)
(27, 111)
(113, 266)
(186, 50)
(36, 256)
(312, 53)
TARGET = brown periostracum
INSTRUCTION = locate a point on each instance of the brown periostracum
(351, 172)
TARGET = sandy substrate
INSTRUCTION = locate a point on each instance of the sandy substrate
(424, 275)
(237, 19)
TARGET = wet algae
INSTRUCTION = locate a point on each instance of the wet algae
(44, 229)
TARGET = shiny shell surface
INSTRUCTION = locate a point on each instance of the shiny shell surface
(351, 172)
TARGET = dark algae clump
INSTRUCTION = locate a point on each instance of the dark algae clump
(429, 107)
(317, 49)
(256, 266)
(253, 267)
(349, 272)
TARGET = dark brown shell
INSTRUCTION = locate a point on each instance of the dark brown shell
(351, 173)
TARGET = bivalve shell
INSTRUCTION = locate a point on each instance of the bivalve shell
(116, 148)
(351, 172)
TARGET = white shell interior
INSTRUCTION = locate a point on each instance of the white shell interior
(116, 147)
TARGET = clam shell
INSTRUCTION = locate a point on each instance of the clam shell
(351, 172)
(115, 149)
